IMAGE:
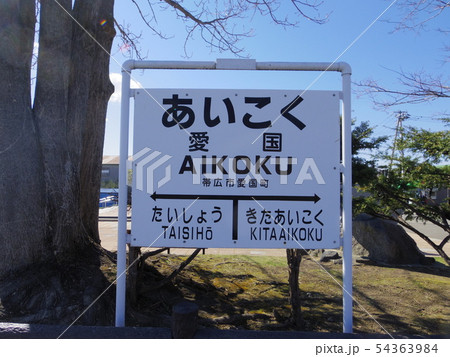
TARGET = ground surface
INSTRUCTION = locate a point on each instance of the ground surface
(248, 289)
(238, 289)
(248, 292)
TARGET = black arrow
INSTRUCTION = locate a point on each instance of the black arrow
(235, 199)
(175, 196)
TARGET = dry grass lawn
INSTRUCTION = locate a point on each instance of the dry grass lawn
(251, 292)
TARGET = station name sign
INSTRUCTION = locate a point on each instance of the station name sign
(236, 169)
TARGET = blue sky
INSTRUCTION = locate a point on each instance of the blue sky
(376, 55)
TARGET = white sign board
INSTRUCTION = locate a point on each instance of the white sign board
(236, 169)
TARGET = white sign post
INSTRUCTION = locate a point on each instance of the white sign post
(237, 168)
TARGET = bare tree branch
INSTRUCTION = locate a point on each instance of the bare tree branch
(315, 6)
(146, 255)
(130, 41)
(213, 25)
(415, 88)
(148, 21)
(217, 21)
(270, 8)
(172, 275)
(419, 12)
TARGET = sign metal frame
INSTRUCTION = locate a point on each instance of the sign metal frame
(239, 64)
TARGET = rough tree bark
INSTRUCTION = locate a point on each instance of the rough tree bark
(50, 150)
(72, 91)
(22, 224)
(294, 258)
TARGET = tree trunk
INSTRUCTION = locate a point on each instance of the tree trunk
(72, 93)
(294, 258)
(22, 204)
(50, 156)
(51, 106)
(100, 91)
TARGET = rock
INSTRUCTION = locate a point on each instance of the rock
(328, 255)
(384, 242)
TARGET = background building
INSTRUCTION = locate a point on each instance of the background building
(110, 171)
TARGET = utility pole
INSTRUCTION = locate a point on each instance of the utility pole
(401, 116)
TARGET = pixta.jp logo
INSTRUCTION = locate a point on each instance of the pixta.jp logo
(149, 165)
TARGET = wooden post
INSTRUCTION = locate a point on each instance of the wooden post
(184, 319)
(294, 258)
(133, 254)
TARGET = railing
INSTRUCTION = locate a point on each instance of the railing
(110, 200)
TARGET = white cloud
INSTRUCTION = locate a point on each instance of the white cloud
(116, 79)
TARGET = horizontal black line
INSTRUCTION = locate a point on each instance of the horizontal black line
(164, 196)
